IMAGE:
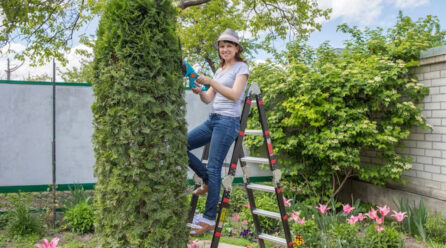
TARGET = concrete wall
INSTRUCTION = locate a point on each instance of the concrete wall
(427, 178)
(26, 134)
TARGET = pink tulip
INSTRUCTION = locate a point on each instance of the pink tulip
(287, 202)
(248, 246)
(301, 221)
(294, 215)
(379, 221)
(384, 210)
(347, 208)
(46, 244)
(234, 232)
(323, 208)
(372, 214)
(245, 222)
(379, 228)
(360, 217)
(352, 220)
(247, 206)
(191, 244)
(236, 217)
(399, 216)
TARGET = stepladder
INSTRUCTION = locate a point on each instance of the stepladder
(253, 98)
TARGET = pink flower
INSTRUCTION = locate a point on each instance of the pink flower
(236, 217)
(352, 220)
(287, 202)
(46, 244)
(399, 216)
(379, 228)
(301, 221)
(248, 246)
(384, 210)
(247, 206)
(347, 208)
(191, 244)
(245, 222)
(360, 217)
(234, 232)
(372, 214)
(379, 221)
(323, 208)
(294, 215)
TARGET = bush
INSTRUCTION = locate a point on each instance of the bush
(265, 201)
(80, 218)
(20, 221)
(436, 228)
(3, 220)
(344, 234)
(389, 238)
(78, 195)
(140, 131)
(309, 232)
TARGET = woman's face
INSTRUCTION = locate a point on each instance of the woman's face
(227, 50)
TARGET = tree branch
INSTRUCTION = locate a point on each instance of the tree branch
(185, 3)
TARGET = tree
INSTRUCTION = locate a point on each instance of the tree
(139, 127)
(327, 107)
(46, 27)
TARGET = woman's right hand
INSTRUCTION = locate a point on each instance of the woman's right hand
(197, 89)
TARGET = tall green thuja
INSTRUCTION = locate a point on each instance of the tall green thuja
(139, 127)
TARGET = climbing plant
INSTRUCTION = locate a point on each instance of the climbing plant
(328, 106)
(139, 127)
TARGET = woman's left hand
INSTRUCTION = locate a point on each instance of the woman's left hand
(204, 80)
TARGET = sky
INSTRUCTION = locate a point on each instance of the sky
(361, 13)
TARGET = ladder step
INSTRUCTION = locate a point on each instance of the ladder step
(192, 225)
(267, 213)
(272, 238)
(261, 187)
(255, 160)
(253, 132)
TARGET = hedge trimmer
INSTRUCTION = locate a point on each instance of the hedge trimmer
(189, 72)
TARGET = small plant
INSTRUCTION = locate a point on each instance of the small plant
(389, 238)
(20, 221)
(3, 220)
(415, 223)
(345, 235)
(436, 228)
(78, 195)
(80, 218)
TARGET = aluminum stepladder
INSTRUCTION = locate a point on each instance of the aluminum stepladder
(238, 155)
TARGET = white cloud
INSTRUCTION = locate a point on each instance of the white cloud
(404, 4)
(364, 12)
(26, 70)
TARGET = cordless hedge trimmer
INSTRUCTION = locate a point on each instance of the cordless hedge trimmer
(189, 72)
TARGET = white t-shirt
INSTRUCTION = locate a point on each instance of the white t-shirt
(223, 105)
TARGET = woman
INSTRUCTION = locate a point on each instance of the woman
(222, 127)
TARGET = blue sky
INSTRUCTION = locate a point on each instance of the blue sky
(362, 13)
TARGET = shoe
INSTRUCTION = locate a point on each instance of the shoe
(205, 227)
(203, 189)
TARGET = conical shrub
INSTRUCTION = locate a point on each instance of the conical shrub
(139, 127)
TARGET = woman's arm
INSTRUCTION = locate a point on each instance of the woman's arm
(233, 93)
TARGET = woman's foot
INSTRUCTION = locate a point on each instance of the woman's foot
(203, 189)
(205, 225)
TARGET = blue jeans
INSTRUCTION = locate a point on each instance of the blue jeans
(220, 131)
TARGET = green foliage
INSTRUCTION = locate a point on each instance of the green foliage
(80, 217)
(238, 199)
(436, 228)
(20, 221)
(415, 223)
(344, 234)
(140, 140)
(326, 106)
(3, 220)
(78, 195)
(389, 238)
